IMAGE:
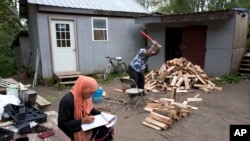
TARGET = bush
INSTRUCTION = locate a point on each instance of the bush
(7, 69)
(231, 79)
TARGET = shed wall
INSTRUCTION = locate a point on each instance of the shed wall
(33, 35)
(219, 42)
(219, 47)
(239, 43)
(124, 40)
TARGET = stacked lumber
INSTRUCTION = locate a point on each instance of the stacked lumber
(181, 74)
(164, 112)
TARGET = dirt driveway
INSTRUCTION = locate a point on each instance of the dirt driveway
(210, 122)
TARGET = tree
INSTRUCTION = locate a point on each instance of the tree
(152, 5)
(9, 26)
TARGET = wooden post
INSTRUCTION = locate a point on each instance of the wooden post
(173, 93)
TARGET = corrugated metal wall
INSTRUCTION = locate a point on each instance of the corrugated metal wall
(219, 44)
(124, 40)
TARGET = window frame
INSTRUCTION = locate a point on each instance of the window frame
(93, 29)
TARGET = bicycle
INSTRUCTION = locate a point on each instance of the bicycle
(120, 67)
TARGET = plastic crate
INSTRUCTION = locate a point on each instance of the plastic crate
(6, 135)
(21, 113)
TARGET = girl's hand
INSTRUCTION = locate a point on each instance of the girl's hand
(88, 119)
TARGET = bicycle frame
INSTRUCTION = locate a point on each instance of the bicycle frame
(113, 64)
(116, 67)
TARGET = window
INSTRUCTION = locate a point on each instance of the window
(99, 28)
(62, 35)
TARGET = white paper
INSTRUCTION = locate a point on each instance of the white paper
(102, 119)
(110, 118)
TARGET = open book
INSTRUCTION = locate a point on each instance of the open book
(102, 119)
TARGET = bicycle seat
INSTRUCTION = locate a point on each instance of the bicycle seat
(118, 58)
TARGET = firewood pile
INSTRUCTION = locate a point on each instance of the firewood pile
(181, 74)
(164, 112)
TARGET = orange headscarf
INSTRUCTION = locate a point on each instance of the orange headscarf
(83, 85)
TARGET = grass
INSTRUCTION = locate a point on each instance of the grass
(112, 77)
(231, 79)
(51, 98)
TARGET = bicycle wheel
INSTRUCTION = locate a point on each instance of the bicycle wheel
(107, 71)
(122, 69)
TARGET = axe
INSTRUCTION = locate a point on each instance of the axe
(149, 38)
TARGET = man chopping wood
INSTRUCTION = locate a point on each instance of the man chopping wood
(138, 64)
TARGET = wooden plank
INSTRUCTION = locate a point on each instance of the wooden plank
(184, 106)
(160, 118)
(118, 90)
(147, 75)
(170, 69)
(154, 105)
(69, 76)
(200, 78)
(68, 73)
(211, 83)
(181, 79)
(186, 82)
(206, 90)
(198, 85)
(218, 88)
(185, 102)
(166, 100)
(40, 101)
(174, 81)
(67, 82)
(197, 95)
(151, 125)
(148, 109)
(173, 93)
(194, 99)
(156, 123)
(181, 91)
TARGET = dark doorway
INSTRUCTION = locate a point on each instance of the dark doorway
(173, 43)
(188, 42)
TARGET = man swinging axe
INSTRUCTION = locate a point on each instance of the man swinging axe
(138, 64)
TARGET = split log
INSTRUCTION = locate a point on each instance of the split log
(161, 118)
(118, 90)
(156, 123)
(173, 93)
(151, 125)
(194, 99)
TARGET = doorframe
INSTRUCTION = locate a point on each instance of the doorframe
(51, 18)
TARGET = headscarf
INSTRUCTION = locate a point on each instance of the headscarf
(82, 107)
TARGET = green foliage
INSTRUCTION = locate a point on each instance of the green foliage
(231, 79)
(51, 98)
(9, 27)
(58, 86)
(190, 6)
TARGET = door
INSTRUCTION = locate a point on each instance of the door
(194, 44)
(63, 45)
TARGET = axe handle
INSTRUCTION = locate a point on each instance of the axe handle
(149, 38)
(146, 35)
